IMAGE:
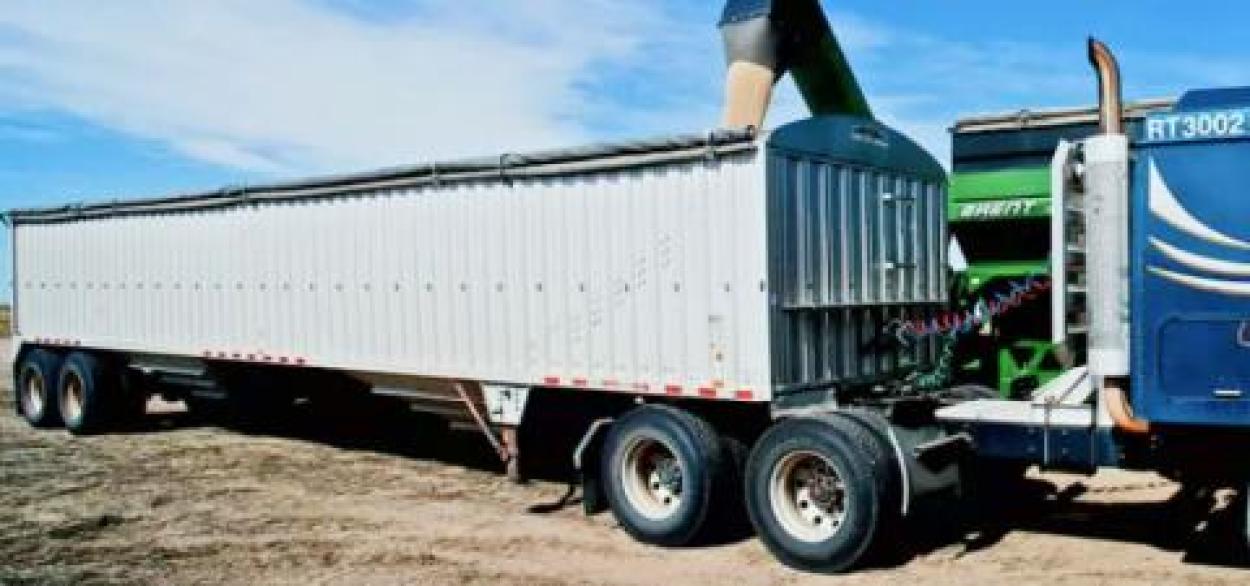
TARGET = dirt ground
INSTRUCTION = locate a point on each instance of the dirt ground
(180, 503)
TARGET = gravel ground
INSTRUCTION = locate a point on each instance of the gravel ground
(339, 503)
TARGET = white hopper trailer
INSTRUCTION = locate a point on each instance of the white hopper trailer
(717, 283)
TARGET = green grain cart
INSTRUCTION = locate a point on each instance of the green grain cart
(1000, 216)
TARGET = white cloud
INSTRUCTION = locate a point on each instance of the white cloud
(289, 86)
(302, 86)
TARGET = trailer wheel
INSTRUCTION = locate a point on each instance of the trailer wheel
(814, 494)
(87, 394)
(36, 388)
(664, 470)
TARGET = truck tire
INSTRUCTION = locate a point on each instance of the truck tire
(814, 493)
(36, 386)
(664, 472)
(87, 393)
(876, 443)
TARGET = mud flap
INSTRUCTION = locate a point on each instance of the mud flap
(594, 501)
(585, 464)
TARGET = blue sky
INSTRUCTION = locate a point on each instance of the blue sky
(100, 100)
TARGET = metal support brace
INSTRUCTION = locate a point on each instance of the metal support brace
(482, 425)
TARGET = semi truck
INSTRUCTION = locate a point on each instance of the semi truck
(743, 314)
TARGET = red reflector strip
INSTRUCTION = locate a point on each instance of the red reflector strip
(580, 382)
(644, 387)
(707, 393)
(283, 359)
(672, 390)
(551, 380)
(607, 382)
(744, 395)
(299, 361)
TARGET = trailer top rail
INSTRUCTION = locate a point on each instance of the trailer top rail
(597, 157)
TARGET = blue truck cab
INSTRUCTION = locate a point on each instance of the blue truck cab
(1190, 263)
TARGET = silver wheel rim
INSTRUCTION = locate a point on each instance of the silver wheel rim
(72, 397)
(808, 496)
(652, 478)
(32, 394)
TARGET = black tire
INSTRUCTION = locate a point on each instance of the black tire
(836, 445)
(874, 438)
(36, 388)
(661, 437)
(729, 513)
(88, 393)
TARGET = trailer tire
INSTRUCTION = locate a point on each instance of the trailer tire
(874, 439)
(88, 394)
(664, 471)
(794, 467)
(36, 386)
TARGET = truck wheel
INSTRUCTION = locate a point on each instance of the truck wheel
(664, 470)
(36, 388)
(813, 494)
(86, 394)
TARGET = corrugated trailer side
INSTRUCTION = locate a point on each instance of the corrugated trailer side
(639, 269)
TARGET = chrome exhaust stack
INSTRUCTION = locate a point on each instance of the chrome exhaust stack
(1107, 238)
(1110, 88)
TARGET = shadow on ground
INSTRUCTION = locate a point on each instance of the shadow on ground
(1206, 528)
